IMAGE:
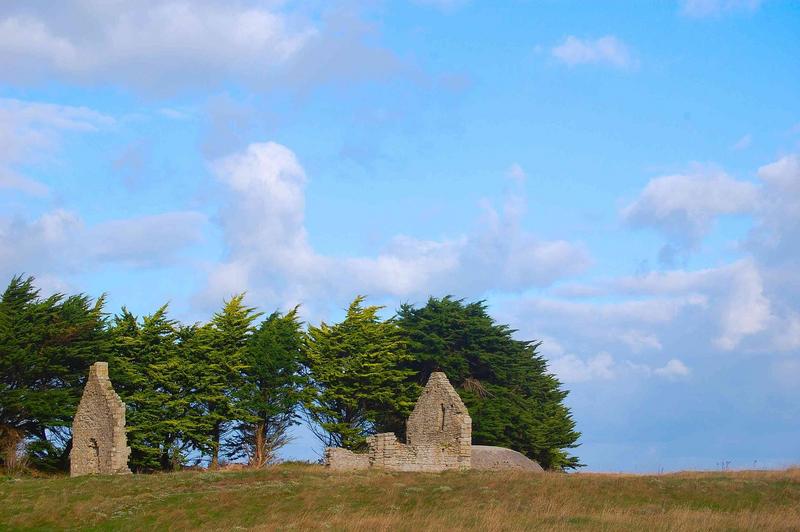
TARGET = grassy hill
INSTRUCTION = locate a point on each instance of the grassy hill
(292, 497)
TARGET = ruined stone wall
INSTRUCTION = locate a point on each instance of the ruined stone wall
(99, 444)
(345, 460)
(439, 436)
(440, 429)
(387, 453)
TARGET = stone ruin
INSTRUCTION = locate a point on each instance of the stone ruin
(99, 445)
(438, 436)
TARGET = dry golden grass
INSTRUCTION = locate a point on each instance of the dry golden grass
(307, 497)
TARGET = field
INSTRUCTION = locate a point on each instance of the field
(300, 497)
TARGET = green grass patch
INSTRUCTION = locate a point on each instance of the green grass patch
(309, 497)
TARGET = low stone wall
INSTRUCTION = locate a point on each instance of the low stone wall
(387, 453)
(345, 460)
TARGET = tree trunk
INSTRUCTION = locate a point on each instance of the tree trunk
(10, 439)
(215, 435)
(164, 459)
(259, 459)
(65, 458)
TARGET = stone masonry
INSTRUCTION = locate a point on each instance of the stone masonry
(438, 436)
(99, 445)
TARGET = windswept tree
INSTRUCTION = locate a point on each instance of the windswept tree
(46, 348)
(156, 382)
(272, 389)
(220, 348)
(356, 376)
(512, 398)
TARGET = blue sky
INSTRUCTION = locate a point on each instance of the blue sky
(618, 179)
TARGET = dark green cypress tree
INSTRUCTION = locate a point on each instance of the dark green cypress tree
(156, 382)
(356, 376)
(272, 388)
(46, 348)
(512, 399)
(219, 348)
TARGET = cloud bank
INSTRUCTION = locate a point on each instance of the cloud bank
(31, 131)
(268, 250)
(162, 46)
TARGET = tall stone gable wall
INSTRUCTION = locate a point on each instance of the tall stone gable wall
(99, 445)
(440, 429)
(438, 436)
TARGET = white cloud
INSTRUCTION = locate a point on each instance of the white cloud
(31, 130)
(684, 206)
(144, 241)
(788, 335)
(60, 243)
(753, 296)
(774, 239)
(569, 368)
(747, 310)
(162, 45)
(268, 246)
(606, 50)
(644, 311)
(641, 341)
(709, 8)
(636, 326)
(674, 368)
(115, 36)
(783, 173)
(734, 295)
(728, 305)
(14, 181)
(780, 205)
(268, 182)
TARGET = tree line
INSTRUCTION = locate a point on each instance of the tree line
(230, 389)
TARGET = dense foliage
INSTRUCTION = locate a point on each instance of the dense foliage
(512, 399)
(221, 353)
(356, 376)
(151, 366)
(233, 387)
(272, 389)
(46, 346)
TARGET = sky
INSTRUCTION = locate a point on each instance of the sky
(620, 180)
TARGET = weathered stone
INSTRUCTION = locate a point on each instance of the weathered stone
(491, 458)
(346, 460)
(99, 445)
(438, 436)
